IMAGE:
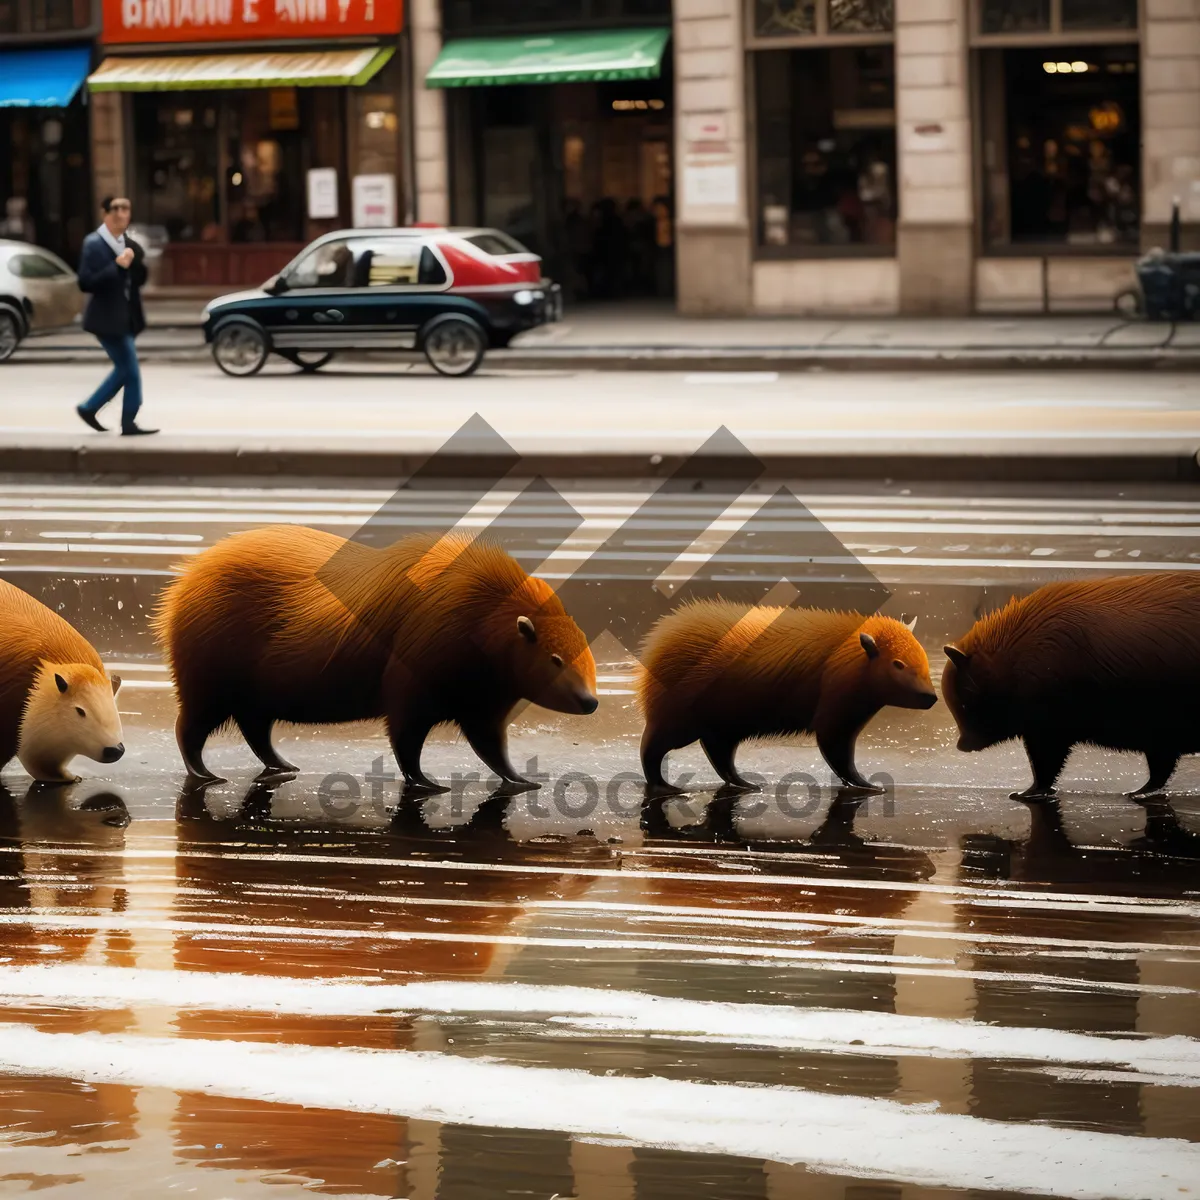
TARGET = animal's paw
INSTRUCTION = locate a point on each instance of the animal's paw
(1147, 790)
(864, 786)
(1035, 793)
(663, 791)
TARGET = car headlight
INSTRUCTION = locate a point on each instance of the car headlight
(523, 297)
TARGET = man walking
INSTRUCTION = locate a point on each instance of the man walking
(112, 267)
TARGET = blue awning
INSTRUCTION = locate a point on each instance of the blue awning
(42, 78)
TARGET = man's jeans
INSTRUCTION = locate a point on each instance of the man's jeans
(125, 374)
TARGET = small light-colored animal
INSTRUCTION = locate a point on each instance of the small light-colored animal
(56, 700)
(292, 624)
(721, 673)
(1108, 662)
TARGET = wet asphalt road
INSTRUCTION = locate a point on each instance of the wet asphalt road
(271, 989)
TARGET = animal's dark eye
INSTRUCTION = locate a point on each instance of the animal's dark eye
(80, 711)
(556, 659)
(897, 664)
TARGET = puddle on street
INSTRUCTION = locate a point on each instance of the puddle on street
(310, 984)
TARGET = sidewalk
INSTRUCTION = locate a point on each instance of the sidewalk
(382, 422)
(655, 337)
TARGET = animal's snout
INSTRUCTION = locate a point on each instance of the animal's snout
(588, 703)
(112, 753)
(926, 699)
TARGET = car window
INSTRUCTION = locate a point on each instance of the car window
(396, 262)
(330, 265)
(496, 242)
(35, 266)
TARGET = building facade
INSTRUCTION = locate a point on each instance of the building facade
(46, 49)
(834, 156)
(242, 129)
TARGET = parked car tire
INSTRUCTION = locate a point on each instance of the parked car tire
(240, 348)
(453, 345)
(10, 334)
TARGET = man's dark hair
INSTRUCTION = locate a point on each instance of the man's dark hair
(107, 203)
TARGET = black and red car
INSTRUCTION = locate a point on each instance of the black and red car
(451, 293)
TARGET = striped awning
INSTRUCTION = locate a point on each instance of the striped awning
(197, 72)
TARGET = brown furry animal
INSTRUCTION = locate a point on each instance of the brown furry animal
(56, 700)
(720, 673)
(292, 624)
(1109, 662)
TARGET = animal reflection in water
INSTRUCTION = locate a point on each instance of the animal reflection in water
(761, 889)
(365, 884)
(36, 875)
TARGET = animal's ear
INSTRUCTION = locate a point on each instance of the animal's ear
(905, 619)
(61, 682)
(956, 656)
(115, 680)
(868, 644)
(526, 629)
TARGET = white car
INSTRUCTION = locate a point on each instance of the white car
(38, 292)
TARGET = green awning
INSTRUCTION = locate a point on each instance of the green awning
(554, 58)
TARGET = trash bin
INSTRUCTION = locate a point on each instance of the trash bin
(1170, 286)
(152, 239)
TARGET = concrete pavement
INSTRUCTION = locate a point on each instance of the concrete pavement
(382, 422)
(655, 337)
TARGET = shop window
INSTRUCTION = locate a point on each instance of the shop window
(793, 18)
(475, 16)
(1056, 16)
(44, 16)
(1099, 14)
(860, 16)
(826, 150)
(176, 141)
(1015, 16)
(1061, 136)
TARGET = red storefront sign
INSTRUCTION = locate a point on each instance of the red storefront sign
(131, 21)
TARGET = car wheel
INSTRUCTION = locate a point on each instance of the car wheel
(240, 348)
(453, 345)
(10, 335)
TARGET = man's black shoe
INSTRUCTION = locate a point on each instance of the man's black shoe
(135, 431)
(89, 418)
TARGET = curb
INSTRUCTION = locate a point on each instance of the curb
(624, 358)
(73, 459)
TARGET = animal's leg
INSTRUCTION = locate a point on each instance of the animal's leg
(837, 748)
(721, 754)
(488, 737)
(1047, 760)
(256, 729)
(1162, 764)
(408, 740)
(192, 731)
(655, 745)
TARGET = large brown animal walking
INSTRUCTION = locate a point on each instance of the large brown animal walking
(1108, 662)
(56, 700)
(292, 624)
(720, 673)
